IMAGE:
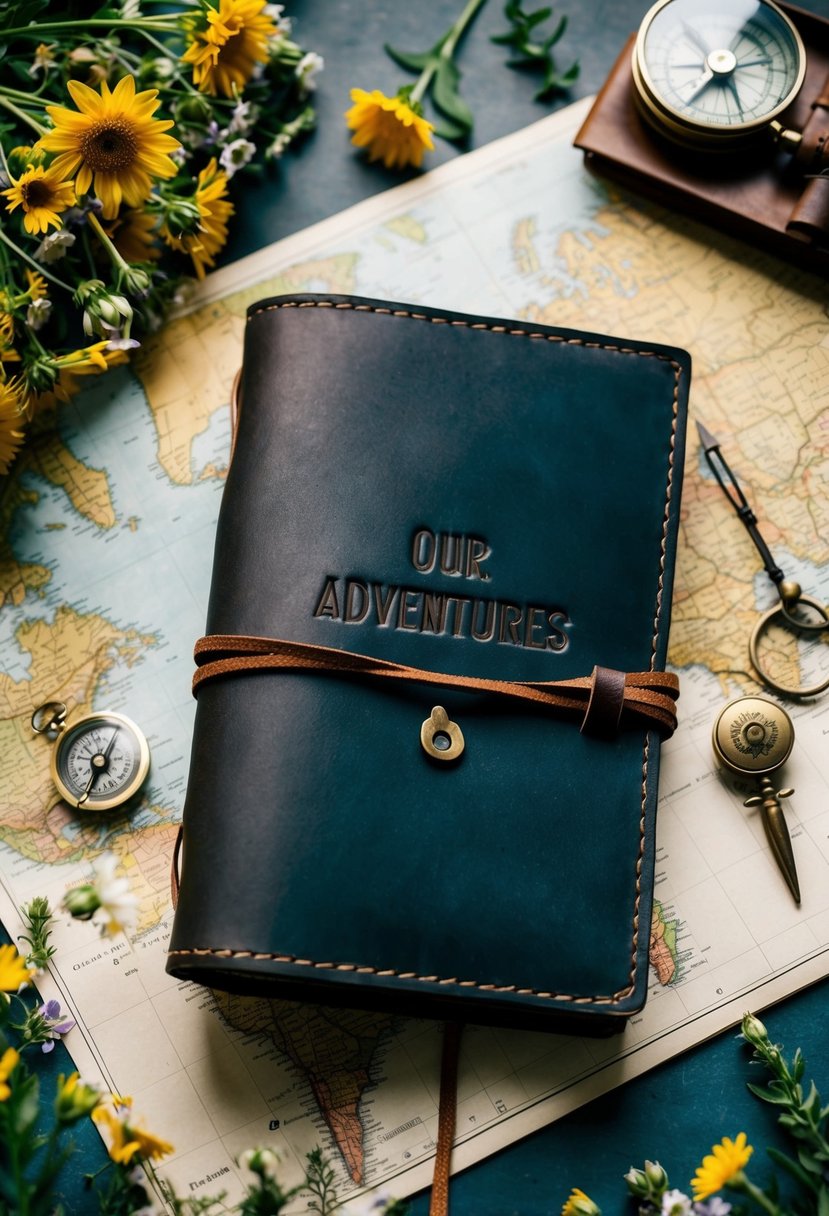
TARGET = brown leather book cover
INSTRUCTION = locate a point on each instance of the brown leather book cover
(754, 195)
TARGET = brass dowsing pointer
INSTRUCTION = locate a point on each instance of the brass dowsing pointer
(790, 592)
(753, 737)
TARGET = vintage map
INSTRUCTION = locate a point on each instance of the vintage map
(107, 530)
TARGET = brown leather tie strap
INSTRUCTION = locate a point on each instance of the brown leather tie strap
(447, 1109)
(634, 699)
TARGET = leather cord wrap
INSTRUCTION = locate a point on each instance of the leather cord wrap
(602, 700)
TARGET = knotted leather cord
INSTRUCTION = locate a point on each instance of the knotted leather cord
(646, 698)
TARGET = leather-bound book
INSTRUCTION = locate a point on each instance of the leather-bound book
(431, 691)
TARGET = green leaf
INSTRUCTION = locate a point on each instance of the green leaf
(791, 1167)
(450, 131)
(556, 34)
(555, 82)
(823, 1202)
(446, 98)
(409, 60)
(26, 1105)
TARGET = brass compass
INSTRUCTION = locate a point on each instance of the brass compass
(716, 74)
(99, 761)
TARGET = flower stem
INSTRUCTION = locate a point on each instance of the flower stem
(160, 24)
(448, 45)
(112, 252)
(9, 105)
(47, 274)
(459, 28)
(741, 1183)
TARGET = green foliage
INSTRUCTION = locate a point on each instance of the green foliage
(532, 51)
(439, 76)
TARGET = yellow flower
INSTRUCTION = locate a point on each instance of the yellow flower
(7, 352)
(37, 285)
(723, 1164)
(43, 194)
(133, 235)
(74, 1099)
(8, 1062)
(389, 128)
(90, 360)
(113, 142)
(579, 1204)
(214, 212)
(127, 1142)
(13, 969)
(225, 51)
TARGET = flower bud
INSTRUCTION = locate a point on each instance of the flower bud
(74, 1099)
(82, 902)
(192, 109)
(261, 1161)
(656, 1176)
(637, 1183)
(136, 281)
(754, 1031)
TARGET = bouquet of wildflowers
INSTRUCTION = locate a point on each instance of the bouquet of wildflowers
(120, 132)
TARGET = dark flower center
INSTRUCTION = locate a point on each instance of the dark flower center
(109, 145)
(36, 193)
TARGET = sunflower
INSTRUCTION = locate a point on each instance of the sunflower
(225, 51)
(133, 235)
(43, 194)
(7, 352)
(113, 142)
(722, 1165)
(389, 127)
(214, 212)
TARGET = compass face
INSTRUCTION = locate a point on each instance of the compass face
(717, 68)
(100, 761)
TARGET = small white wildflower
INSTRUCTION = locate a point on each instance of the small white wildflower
(307, 70)
(236, 155)
(37, 314)
(54, 246)
(674, 1203)
(243, 117)
(117, 910)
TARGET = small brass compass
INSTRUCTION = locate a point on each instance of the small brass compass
(99, 761)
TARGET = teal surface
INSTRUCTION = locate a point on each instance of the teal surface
(672, 1114)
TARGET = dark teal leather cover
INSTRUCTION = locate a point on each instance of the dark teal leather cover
(326, 857)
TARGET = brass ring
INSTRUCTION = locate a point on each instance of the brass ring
(49, 716)
(792, 623)
(807, 626)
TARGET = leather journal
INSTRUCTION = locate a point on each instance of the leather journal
(431, 693)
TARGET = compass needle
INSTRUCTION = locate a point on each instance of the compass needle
(708, 104)
(99, 762)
